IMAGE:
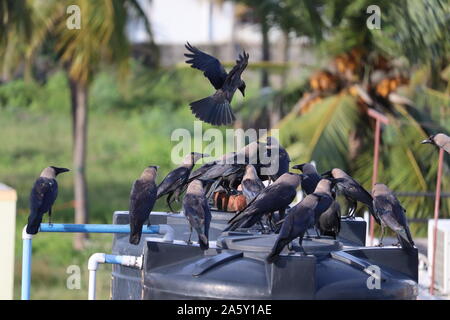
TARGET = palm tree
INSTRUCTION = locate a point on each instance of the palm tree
(101, 40)
(333, 128)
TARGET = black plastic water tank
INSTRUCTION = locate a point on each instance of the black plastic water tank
(234, 266)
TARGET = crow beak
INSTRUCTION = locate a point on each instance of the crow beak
(427, 141)
(298, 166)
(60, 170)
(205, 155)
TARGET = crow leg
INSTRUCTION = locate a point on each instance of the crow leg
(50, 217)
(177, 194)
(169, 201)
(190, 235)
(317, 232)
(380, 244)
(300, 243)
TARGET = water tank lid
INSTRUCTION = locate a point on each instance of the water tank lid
(264, 243)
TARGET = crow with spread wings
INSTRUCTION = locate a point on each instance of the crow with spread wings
(216, 108)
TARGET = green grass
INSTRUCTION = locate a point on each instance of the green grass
(120, 145)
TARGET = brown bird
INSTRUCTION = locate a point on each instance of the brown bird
(441, 140)
(352, 192)
(142, 200)
(251, 184)
(196, 210)
(299, 219)
(173, 183)
(391, 214)
(275, 197)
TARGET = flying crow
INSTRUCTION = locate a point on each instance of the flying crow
(216, 108)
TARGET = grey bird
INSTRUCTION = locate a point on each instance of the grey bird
(276, 197)
(42, 197)
(440, 140)
(281, 161)
(299, 219)
(216, 109)
(251, 184)
(310, 177)
(142, 199)
(173, 183)
(391, 214)
(329, 222)
(196, 210)
(352, 192)
(324, 191)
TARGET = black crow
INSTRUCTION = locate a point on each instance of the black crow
(310, 177)
(299, 219)
(216, 109)
(173, 183)
(441, 140)
(251, 184)
(329, 222)
(142, 200)
(196, 210)
(324, 192)
(275, 197)
(43, 195)
(352, 192)
(392, 214)
(281, 162)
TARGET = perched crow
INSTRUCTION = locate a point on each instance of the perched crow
(324, 192)
(310, 177)
(329, 222)
(142, 200)
(251, 184)
(352, 192)
(392, 214)
(281, 162)
(42, 197)
(197, 212)
(441, 140)
(275, 197)
(174, 182)
(299, 219)
(216, 109)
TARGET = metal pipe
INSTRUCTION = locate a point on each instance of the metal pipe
(379, 118)
(97, 258)
(436, 216)
(94, 228)
(376, 150)
(26, 263)
(165, 230)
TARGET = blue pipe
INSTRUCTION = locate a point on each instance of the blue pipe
(75, 228)
(26, 269)
(94, 228)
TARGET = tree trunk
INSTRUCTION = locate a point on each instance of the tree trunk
(79, 101)
(265, 51)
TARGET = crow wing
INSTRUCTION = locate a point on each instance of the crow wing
(234, 75)
(43, 195)
(173, 180)
(211, 67)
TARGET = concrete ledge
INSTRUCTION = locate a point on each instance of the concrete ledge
(7, 193)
